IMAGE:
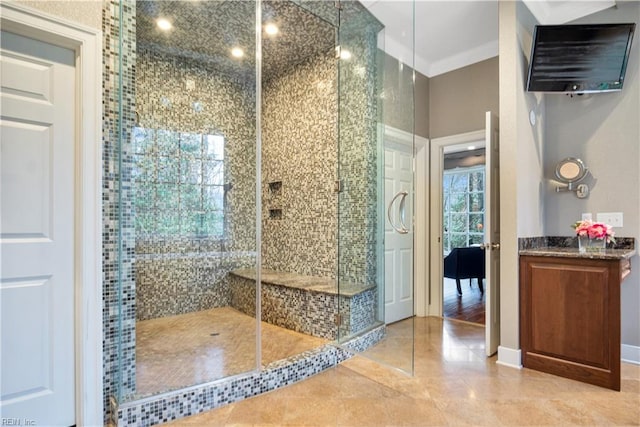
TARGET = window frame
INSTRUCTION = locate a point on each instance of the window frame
(446, 205)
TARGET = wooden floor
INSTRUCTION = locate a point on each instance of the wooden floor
(468, 307)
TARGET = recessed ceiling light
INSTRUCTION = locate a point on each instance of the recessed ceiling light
(164, 24)
(471, 147)
(237, 52)
(271, 29)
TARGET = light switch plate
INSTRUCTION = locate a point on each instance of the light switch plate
(614, 219)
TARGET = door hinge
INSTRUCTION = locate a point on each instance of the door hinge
(337, 4)
(338, 186)
(338, 319)
(338, 51)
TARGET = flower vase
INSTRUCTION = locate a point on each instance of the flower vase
(586, 244)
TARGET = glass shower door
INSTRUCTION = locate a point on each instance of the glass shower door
(375, 198)
(187, 179)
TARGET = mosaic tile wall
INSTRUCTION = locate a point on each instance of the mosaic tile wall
(212, 25)
(299, 151)
(218, 104)
(358, 149)
(309, 312)
(176, 283)
(302, 155)
(325, 10)
(118, 287)
(226, 106)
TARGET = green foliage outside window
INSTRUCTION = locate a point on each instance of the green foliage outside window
(463, 207)
(178, 183)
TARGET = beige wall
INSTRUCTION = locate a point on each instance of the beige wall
(398, 109)
(604, 131)
(458, 99)
(530, 142)
(422, 117)
(508, 51)
(521, 165)
(84, 12)
(521, 162)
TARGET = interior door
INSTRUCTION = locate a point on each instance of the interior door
(37, 234)
(398, 231)
(492, 235)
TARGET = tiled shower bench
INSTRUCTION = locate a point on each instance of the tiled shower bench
(307, 304)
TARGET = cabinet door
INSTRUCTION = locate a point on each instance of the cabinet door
(570, 318)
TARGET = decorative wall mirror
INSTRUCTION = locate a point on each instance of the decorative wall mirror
(570, 171)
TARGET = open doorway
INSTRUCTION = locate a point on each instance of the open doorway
(458, 202)
(463, 259)
(487, 215)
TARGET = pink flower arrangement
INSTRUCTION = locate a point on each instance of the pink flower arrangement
(594, 230)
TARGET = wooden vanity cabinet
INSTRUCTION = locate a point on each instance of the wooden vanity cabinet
(570, 317)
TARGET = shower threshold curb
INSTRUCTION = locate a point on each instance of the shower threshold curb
(173, 405)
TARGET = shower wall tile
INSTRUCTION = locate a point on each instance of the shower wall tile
(191, 274)
(177, 283)
(299, 151)
(118, 241)
(358, 150)
(225, 106)
(243, 294)
(303, 34)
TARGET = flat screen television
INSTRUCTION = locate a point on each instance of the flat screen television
(579, 58)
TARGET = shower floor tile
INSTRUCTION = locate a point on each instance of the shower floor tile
(179, 351)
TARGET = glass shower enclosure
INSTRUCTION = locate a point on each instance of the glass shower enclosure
(250, 189)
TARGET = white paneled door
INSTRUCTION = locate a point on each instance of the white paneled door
(398, 232)
(37, 240)
(492, 234)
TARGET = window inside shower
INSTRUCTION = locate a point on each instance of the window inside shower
(179, 181)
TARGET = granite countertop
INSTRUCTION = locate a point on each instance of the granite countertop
(567, 247)
(300, 281)
(574, 253)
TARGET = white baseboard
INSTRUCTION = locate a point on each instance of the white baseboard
(509, 357)
(630, 354)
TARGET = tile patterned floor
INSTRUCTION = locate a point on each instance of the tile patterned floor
(454, 384)
(179, 351)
